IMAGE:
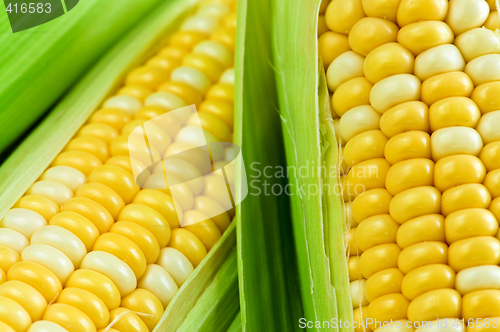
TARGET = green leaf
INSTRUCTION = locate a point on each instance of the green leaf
(311, 150)
(39, 64)
(269, 292)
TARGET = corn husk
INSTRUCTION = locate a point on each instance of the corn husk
(269, 293)
(310, 142)
(39, 64)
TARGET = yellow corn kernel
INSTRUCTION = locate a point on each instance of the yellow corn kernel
(388, 307)
(420, 36)
(382, 283)
(454, 84)
(455, 170)
(368, 175)
(13, 314)
(8, 257)
(187, 39)
(370, 32)
(365, 146)
(322, 27)
(224, 36)
(143, 301)
(378, 258)
(492, 182)
(40, 204)
(112, 117)
(355, 92)
(137, 91)
(77, 224)
(103, 195)
(424, 253)
(386, 9)
(490, 156)
(128, 321)
(204, 228)
(486, 96)
(211, 68)
(182, 90)
(454, 111)
(408, 145)
(470, 223)
(387, 60)
(189, 245)
(97, 284)
(414, 11)
(409, 116)
(149, 77)
(370, 203)
(139, 235)
(414, 203)
(359, 317)
(69, 317)
(38, 277)
(354, 268)
(492, 22)
(331, 45)
(174, 52)
(123, 248)
(480, 304)
(82, 161)
(430, 227)
(87, 303)
(427, 278)
(212, 124)
(352, 247)
(474, 251)
(91, 210)
(148, 218)
(100, 130)
(465, 196)
(376, 230)
(341, 15)
(435, 304)
(27, 296)
(394, 90)
(117, 179)
(221, 91)
(409, 174)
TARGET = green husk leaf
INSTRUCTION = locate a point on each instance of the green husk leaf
(236, 325)
(38, 150)
(310, 143)
(39, 64)
(219, 305)
(212, 286)
(270, 300)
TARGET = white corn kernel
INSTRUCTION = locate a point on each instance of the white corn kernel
(176, 264)
(484, 69)
(455, 140)
(489, 127)
(53, 259)
(159, 282)
(464, 15)
(216, 51)
(438, 60)
(394, 90)
(69, 176)
(13, 239)
(358, 120)
(346, 66)
(201, 23)
(56, 191)
(24, 221)
(477, 42)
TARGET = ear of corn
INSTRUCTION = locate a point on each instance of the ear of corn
(407, 83)
(39, 64)
(101, 252)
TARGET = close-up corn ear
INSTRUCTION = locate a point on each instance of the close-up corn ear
(233, 165)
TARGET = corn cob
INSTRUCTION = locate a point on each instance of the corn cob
(414, 94)
(86, 248)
